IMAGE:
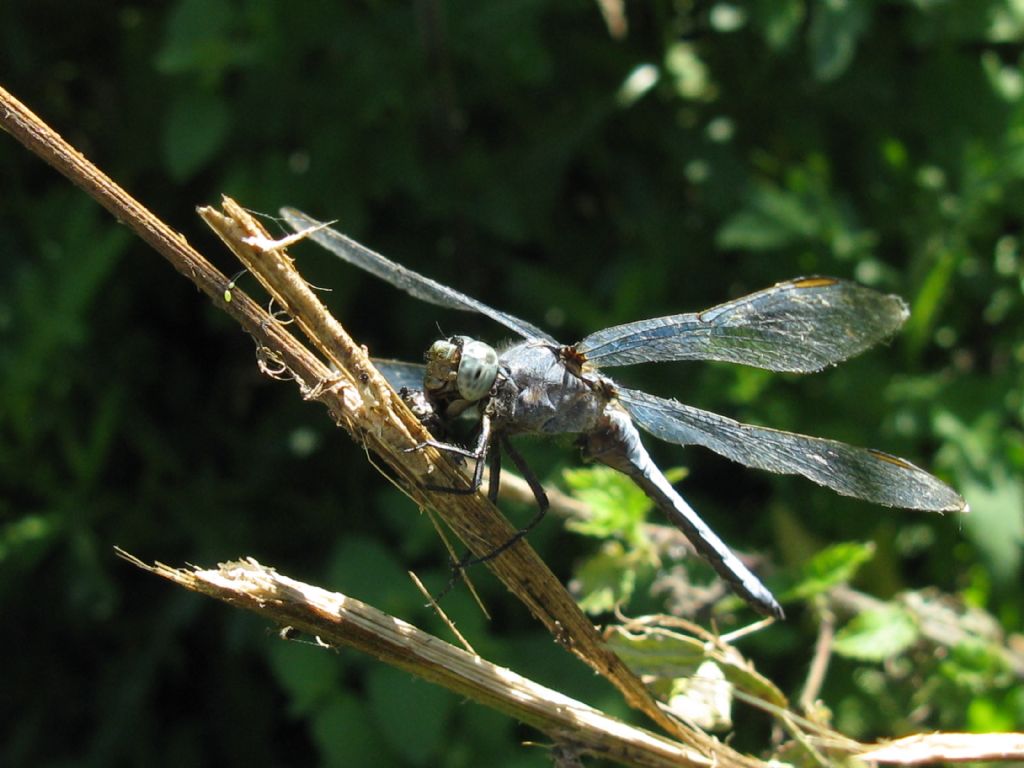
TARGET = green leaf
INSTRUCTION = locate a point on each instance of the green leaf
(669, 655)
(345, 735)
(988, 714)
(835, 30)
(194, 132)
(778, 20)
(618, 507)
(877, 635)
(975, 666)
(925, 308)
(53, 300)
(832, 566)
(705, 698)
(412, 714)
(995, 521)
(658, 654)
(308, 674)
(198, 40)
(24, 541)
(772, 219)
(689, 72)
(363, 567)
(992, 488)
(605, 580)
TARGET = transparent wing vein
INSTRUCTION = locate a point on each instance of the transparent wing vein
(860, 472)
(405, 279)
(401, 374)
(799, 326)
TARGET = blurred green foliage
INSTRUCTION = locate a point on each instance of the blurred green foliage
(520, 152)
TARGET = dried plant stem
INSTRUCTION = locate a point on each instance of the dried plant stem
(337, 620)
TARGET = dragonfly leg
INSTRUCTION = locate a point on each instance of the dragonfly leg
(468, 559)
(538, 494)
(458, 450)
(530, 478)
(494, 475)
(478, 453)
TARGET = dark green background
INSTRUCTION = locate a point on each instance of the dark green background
(493, 145)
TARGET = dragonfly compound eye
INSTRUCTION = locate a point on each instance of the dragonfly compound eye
(477, 370)
(442, 366)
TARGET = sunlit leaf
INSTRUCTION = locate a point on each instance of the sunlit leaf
(705, 698)
(669, 655)
(976, 666)
(618, 507)
(877, 635)
(994, 491)
(834, 565)
(606, 580)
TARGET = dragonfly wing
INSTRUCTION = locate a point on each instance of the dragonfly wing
(413, 283)
(860, 472)
(800, 326)
(400, 373)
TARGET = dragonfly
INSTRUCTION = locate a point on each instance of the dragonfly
(538, 386)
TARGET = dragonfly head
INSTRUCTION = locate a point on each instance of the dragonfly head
(460, 365)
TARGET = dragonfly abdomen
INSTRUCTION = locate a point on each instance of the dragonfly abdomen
(618, 446)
